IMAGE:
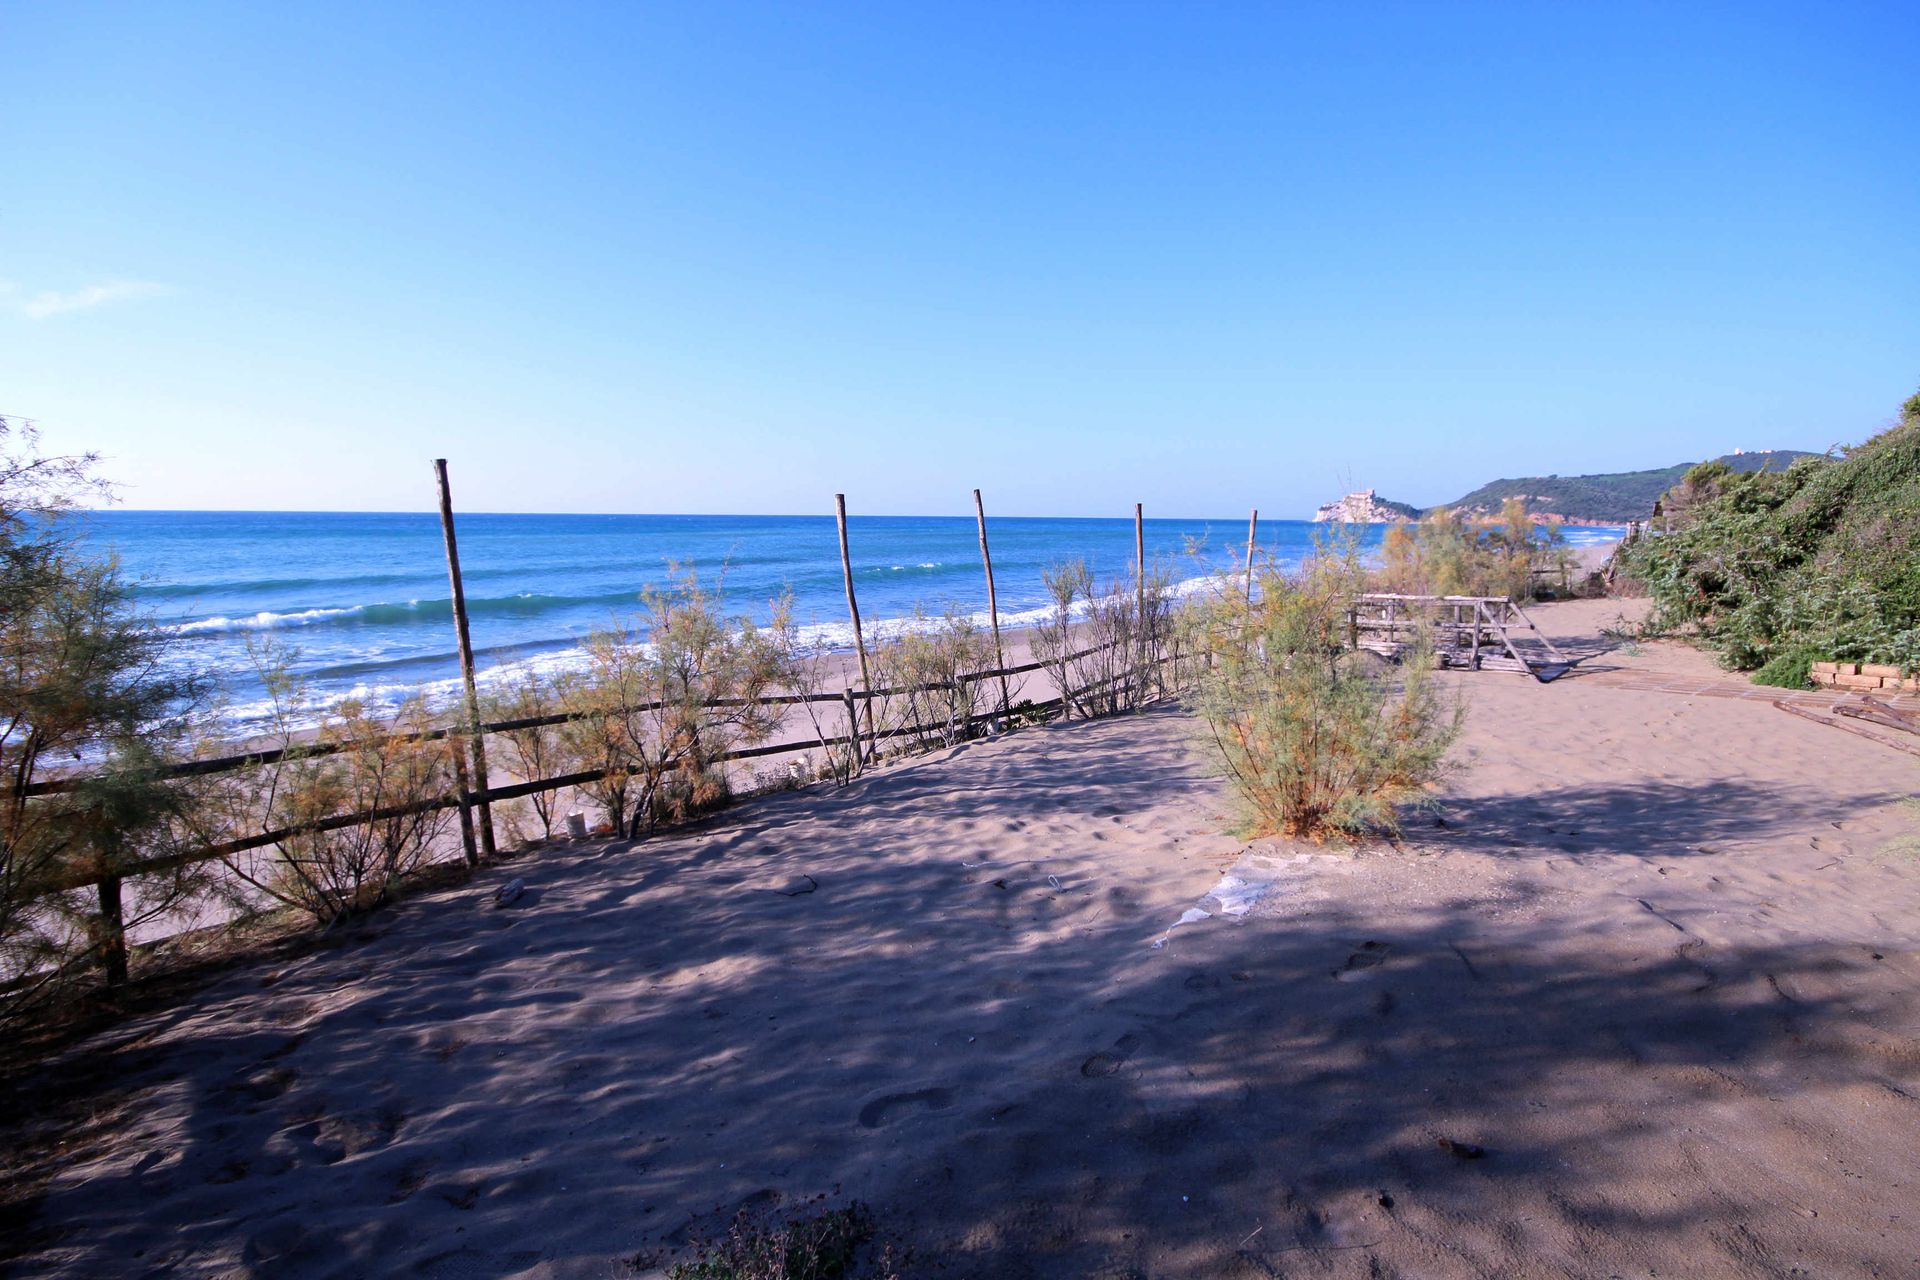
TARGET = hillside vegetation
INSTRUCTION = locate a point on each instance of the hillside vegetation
(1776, 569)
(1612, 498)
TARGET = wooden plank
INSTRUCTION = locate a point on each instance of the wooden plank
(1854, 729)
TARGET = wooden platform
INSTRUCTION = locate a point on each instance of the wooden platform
(1477, 633)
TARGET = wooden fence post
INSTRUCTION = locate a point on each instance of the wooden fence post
(853, 608)
(1140, 602)
(476, 740)
(1253, 523)
(855, 751)
(111, 932)
(993, 604)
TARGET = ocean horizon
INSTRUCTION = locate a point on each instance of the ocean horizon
(358, 603)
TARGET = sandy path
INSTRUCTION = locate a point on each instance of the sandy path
(1660, 963)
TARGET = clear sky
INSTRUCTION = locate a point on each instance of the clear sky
(724, 257)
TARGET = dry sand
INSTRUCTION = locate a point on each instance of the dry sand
(1658, 967)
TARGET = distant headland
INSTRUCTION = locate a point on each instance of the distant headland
(1610, 498)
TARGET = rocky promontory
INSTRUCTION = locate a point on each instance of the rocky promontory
(1365, 507)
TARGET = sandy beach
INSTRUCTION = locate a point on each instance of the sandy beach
(1639, 999)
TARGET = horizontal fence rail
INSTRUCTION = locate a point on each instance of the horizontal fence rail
(83, 877)
(273, 755)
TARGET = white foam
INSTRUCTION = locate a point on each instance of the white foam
(265, 620)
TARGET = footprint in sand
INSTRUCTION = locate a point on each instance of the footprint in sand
(1110, 1061)
(1363, 962)
(891, 1107)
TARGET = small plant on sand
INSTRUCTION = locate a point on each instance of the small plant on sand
(823, 1247)
(1317, 742)
(930, 665)
(532, 750)
(357, 762)
(665, 698)
(1104, 646)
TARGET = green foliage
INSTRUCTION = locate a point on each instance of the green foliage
(533, 750)
(666, 696)
(1823, 559)
(1316, 742)
(1792, 669)
(357, 762)
(81, 680)
(1446, 554)
(929, 664)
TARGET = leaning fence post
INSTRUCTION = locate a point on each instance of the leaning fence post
(1253, 523)
(112, 932)
(855, 751)
(1140, 602)
(853, 607)
(475, 738)
(993, 604)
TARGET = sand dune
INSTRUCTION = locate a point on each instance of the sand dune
(1657, 968)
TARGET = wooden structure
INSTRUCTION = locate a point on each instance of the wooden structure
(1478, 633)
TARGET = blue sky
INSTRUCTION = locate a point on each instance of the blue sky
(722, 257)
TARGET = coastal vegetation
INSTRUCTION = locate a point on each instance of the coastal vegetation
(80, 680)
(1446, 553)
(1777, 570)
(1318, 741)
(664, 698)
(392, 768)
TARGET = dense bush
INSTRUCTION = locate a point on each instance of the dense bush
(1778, 569)
(1316, 741)
(1446, 554)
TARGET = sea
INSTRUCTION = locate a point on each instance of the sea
(357, 605)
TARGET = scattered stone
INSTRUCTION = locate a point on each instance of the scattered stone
(1462, 1150)
(794, 886)
(509, 892)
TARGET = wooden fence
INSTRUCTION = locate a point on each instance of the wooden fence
(474, 795)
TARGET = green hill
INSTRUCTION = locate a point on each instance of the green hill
(1613, 498)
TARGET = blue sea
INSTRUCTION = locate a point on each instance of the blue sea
(360, 602)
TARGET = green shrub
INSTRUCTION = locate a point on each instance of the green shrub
(1315, 742)
(1790, 670)
(1447, 554)
(1823, 558)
